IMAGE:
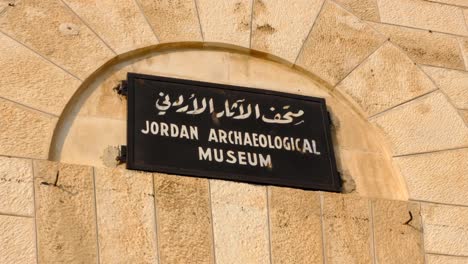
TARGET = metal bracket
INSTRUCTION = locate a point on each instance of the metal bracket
(122, 157)
(330, 119)
(121, 88)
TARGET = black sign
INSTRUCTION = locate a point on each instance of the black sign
(229, 132)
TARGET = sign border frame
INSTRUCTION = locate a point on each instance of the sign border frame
(335, 186)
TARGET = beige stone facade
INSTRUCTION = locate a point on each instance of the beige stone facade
(394, 74)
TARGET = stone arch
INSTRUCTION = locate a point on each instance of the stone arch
(363, 155)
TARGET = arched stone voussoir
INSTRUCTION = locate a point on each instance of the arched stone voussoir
(51, 29)
(226, 21)
(173, 21)
(120, 24)
(384, 80)
(338, 42)
(29, 79)
(427, 124)
(24, 132)
(281, 27)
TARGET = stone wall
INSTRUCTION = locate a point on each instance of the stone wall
(80, 214)
(393, 71)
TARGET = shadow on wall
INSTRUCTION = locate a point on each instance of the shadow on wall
(93, 123)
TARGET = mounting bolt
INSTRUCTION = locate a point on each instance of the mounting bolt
(122, 157)
(121, 88)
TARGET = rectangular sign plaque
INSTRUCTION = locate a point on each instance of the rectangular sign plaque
(229, 132)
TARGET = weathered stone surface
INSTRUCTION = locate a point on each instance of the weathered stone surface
(51, 29)
(173, 20)
(364, 9)
(373, 174)
(424, 15)
(209, 65)
(296, 233)
(30, 80)
(16, 186)
(280, 28)
(346, 223)
(464, 114)
(425, 47)
(89, 138)
(125, 216)
(464, 48)
(397, 232)
(453, 83)
(337, 43)
(120, 24)
(426, 124)
(24, 132)
(441, 259)
(4, 4)
(226, 21)
(437, 177)
(183, 219)
(386, 79)
(365, 136)
(17, 240)
(263, 74)
(65, 213)
(240, 222)
(451, 2)
(445, 229)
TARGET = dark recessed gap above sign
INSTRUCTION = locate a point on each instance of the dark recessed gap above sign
(229, 132)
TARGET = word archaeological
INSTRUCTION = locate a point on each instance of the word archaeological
(264, 141)
(234, 110)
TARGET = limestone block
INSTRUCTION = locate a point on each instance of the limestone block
(453, 83)
(464, 114)
(254, 72)
(24, 132)
(280, 28)
(352, 131)
(4, 4)
(101, 100)
(425, 47)
(51, 29)
(173, 21)
(88, 140)
(437, 177)
(397, 232)
(183, 219)
(426, 124)
(296, 233)
(125, 216)
(452, 2)
(364, 9)
(337, 43)
(65, 213)
(442, 259)
(240, 222)
(30, 80)
(208, 65)
(386, 79)
(346, 224)
(445, 229)
(120, 24)
(226, 21)
(16, 186)
(464, 48)
(373, 174)
(17, 240)
(424, 15)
